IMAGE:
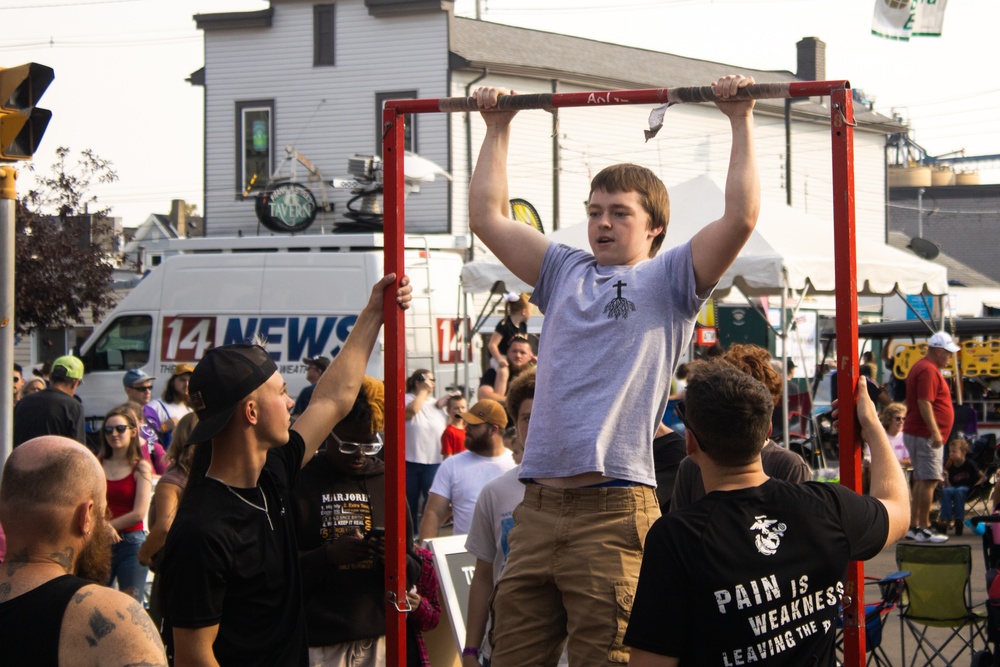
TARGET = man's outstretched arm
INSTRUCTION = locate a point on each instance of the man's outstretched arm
(714, 248)
(888, 481)
(338, 387)
(518, 246)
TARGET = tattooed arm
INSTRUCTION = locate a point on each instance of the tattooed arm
(103, 627)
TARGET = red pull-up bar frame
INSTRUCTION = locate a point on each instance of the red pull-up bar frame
(842, 136)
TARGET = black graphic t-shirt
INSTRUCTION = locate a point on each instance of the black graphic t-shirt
(342, 602)
(752, 575)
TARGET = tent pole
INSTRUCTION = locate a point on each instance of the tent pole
(784, 359)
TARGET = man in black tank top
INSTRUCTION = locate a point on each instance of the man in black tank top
(52, 613)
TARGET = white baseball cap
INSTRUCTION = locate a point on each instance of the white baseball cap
(943, 340)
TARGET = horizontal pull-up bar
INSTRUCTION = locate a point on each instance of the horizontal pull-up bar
(842, 143)
(550, 101)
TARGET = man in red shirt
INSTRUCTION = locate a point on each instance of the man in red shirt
(929, 416)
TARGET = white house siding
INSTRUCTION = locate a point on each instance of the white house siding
(327, 113)
(695, 140)
(812, 172)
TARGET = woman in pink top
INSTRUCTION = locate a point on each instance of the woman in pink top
(129, 490)
(892, 419)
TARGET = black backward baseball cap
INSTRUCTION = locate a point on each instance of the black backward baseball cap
(225, 376)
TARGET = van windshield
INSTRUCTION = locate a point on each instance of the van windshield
(122, 346)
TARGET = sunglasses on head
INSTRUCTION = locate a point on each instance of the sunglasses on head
(117, 428)
(366, 448)
(679, 411)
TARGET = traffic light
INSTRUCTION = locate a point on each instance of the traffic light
(22, 124)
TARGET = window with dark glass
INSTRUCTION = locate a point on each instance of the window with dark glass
(323, 35)
(123, 345)
(255, 145)
(409, 120)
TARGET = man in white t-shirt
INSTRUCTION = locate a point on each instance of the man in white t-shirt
(492, 520)
(460, 478)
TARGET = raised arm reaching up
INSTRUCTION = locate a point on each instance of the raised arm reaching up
(714, 248)
(518, 246)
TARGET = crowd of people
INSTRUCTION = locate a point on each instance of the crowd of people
(267, 534)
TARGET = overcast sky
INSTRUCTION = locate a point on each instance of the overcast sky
(121, 66)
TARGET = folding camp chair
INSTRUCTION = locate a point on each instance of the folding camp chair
(876, 615)
(983, 451)
(938, 595)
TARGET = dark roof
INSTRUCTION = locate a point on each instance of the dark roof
(511, 50)
(197, 77)
(228, 20)
(970, 326)
(958, 273)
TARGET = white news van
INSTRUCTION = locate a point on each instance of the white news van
(302, 294)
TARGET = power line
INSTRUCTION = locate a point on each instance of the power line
(82, 3)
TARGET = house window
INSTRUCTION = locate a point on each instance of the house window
(254, 145)
(409, 120)
(323, 35)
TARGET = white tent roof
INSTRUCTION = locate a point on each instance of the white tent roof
(785, 240)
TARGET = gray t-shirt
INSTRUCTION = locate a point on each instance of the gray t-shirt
(778, 463)
(611, 340)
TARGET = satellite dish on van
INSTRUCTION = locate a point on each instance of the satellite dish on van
(924, 248)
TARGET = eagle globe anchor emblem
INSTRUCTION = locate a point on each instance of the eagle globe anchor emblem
(769, 537)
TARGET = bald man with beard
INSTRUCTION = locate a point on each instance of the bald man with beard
(52, 610)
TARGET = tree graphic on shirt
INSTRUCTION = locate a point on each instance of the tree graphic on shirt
(619, 306)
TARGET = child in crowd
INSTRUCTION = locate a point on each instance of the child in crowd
(453, 438)
(962, 474)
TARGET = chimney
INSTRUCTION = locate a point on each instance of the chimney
(811, 59)
(177, 217)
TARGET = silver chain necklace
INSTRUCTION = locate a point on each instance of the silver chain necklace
(253, 505)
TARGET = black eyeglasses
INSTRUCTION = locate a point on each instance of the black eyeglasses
(679, 412)
(117, 428)
(143, 389)
(366, 448)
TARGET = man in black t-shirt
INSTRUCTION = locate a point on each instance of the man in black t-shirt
(493, 384)
(755, 570)
(230, 566)
(55, 410)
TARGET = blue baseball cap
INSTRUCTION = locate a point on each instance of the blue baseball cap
(134, 377)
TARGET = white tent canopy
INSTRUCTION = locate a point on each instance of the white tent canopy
(788, 250)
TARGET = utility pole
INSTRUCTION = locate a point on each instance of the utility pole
(22, 124)
(8, 195)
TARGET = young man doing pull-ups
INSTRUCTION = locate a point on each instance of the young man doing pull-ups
(576, 546)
